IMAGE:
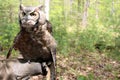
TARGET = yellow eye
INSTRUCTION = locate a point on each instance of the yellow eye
(33, 14)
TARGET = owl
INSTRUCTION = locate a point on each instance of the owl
(35, 40)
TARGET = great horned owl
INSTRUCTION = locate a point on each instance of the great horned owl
(34, 41)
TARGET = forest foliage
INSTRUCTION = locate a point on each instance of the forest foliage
(77, 24)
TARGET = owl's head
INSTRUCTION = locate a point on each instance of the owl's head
(30, 16)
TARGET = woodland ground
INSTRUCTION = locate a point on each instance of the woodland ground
(87, 66)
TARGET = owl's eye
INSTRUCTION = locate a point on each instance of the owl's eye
(33, 14)
(23, 13)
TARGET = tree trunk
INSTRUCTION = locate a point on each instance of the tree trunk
(96, 9)
(85, 13)
(78, 13)
(11, 13)
(113, 9)
(71, 3)
(40, 1)
(65, 6)
(47, 8)
(79, 4)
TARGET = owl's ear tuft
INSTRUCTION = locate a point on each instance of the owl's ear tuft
(41, 7)
(22, 7)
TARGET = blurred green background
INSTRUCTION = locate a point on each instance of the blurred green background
(87, 33)
(77, 24)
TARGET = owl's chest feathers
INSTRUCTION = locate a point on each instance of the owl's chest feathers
(39, 37)
(31, 41)
(32, 45)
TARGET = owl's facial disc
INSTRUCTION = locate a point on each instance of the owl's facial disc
(29, 17)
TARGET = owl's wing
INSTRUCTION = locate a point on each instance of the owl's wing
(53, 53)
(49, 27)
(53, 64)
(11, 48)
